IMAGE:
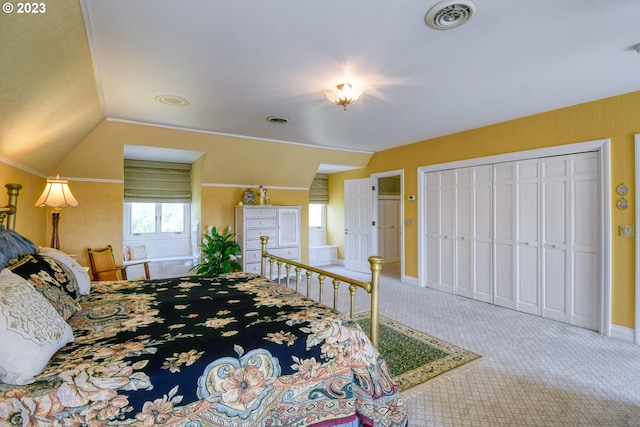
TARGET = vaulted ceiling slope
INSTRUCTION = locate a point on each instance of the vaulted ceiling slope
(48, 94)
(238, 62)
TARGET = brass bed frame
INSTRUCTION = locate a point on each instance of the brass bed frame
(9, 211)
(372, 286)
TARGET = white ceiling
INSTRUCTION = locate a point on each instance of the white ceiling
(239, 61)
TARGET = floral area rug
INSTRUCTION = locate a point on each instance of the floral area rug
(413, 356)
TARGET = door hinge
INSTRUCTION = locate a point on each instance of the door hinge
(373, 188)
(373, 223)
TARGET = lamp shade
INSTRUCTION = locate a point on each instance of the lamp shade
(56, 194)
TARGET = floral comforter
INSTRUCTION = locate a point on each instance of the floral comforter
(234, 349)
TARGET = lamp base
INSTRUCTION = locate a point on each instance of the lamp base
(55, 217)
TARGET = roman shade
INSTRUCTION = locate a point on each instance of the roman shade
(159, 182)
(319, 190)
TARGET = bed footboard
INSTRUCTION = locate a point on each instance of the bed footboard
(372, 286)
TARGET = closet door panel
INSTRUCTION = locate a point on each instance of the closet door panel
(555, 217)
(504, 235)
(447, 231)
(483, 241)
(586, 284)
(528, 232)
(432, 232)
(464, 213)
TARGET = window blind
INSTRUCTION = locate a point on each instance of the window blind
(159, 182)
(319, 190)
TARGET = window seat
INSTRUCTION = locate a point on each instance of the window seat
(320, 255)
(161, 267)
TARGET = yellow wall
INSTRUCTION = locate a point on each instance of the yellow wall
(30, 221)
(616, 118)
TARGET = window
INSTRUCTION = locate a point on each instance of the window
(317, 216)
(148, 220)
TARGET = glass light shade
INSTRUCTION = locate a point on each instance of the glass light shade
(56, 194)
(344, 94)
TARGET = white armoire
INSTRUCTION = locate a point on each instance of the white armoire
(280, 223)
(522, 234)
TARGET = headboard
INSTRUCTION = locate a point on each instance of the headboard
(9, 211)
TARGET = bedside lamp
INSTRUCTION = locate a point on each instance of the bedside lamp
(56, 195)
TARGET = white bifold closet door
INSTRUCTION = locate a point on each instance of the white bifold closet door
(522, 235)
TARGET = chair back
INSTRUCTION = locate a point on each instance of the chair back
(103, 264)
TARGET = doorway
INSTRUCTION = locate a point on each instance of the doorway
(372, 218)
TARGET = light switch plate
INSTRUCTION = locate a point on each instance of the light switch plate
(627, 230)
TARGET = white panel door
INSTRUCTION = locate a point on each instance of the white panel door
(504, 235)
(432, 230)
(556, 218)
(389, 229)
(528, 237)
(463, 255)
(483, 240)
(440, 230)
(585, 292)
(447, 231)
(358, 239)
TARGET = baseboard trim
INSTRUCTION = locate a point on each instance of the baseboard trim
(622, 333)
(410, 280)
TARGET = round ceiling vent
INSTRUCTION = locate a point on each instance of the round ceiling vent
(175, 100)
(278, 120)
(449, 14)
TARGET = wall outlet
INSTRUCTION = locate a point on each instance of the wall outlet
(627, 230)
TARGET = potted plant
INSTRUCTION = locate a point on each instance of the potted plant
(218, 253)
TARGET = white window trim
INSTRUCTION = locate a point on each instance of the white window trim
(157, 235)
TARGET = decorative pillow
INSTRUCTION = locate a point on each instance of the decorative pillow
(31, 331)
(81, 275)
(51, 280)
(13, 245)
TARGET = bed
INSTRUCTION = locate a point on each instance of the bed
(230, 350)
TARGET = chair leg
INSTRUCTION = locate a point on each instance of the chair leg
(146, 271)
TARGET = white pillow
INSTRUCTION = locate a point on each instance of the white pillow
(82, 277)
(31, 330)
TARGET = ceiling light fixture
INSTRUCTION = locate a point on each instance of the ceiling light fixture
(449, 14)
(344, 94)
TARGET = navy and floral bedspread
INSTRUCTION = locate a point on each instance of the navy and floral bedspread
(207, 351)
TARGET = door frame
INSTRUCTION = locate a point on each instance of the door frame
(637, 221)
(375, 176)
(602, 146)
